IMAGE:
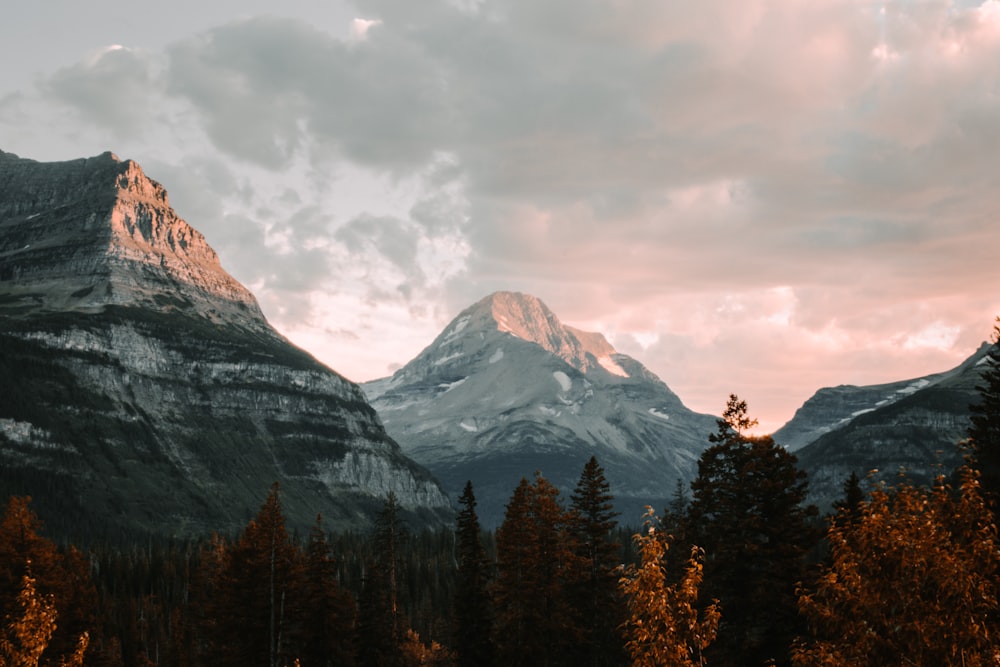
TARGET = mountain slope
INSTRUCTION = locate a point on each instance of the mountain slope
(506, 389)
(141, 388)
(913, 426)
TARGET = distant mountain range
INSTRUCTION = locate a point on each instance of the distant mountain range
(142, 390)
(507, 389)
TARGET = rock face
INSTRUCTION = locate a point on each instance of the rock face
(912, 426)
(506, 389)
(141, 388)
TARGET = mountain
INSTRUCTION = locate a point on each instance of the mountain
(141, 388)
(507, 389)
(912, 426)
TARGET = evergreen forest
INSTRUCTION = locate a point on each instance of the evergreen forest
(736, 571)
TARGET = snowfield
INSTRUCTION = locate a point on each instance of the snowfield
(564, 382)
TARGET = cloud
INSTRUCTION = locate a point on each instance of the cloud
(265, 85)
(111, 89)
(360, 28)
(745, 181)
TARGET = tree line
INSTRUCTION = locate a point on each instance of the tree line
(737, 570)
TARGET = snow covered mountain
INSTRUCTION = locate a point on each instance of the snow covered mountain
(507, 389)
(141, 387)
(911, 426)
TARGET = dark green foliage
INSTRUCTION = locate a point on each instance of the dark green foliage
(327, 612)
(255, 592)
(594, 594)
(380, 630)
(473, 610)
(849, 507)
(537, 564)
(747, 515)
(984, 431)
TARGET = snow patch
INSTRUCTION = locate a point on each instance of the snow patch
(564, 382)
(657, 413)
(444, 360)
(546, 410)
(448, 386)
(916, 386)
(861, 412)
(471, 428)
(458, 329)
(497, 356)
(611, 366)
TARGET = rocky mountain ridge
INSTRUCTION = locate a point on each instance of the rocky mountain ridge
(102, 219)
(141, 387)
(911, 428)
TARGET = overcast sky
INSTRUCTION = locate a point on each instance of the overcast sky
(754, 197)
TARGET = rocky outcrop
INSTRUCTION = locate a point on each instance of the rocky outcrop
(506, 389)
(144, 391)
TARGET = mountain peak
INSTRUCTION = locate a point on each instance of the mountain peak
(507, 388)
(528, 318)
(87, 233)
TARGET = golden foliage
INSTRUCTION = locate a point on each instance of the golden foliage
(417, 654)
(26, 636)
(663, 628)
(912, 581)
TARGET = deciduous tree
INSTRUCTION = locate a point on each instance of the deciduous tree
(27, 631)
(663, 625)
(59, 576)
(911, 581)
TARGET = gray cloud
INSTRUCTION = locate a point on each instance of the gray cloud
(112, 89)
(390, 238)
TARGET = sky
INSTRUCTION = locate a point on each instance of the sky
(760, 198)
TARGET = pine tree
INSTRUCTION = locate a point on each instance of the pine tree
(255, 592)
(473, 612)
(849, 507)
(747, 514)
(380, 631)
(663, 625)
(514, 540)
(984, 431)
(326, 627)
(594, 591)
(911, 581)
(536, 561)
